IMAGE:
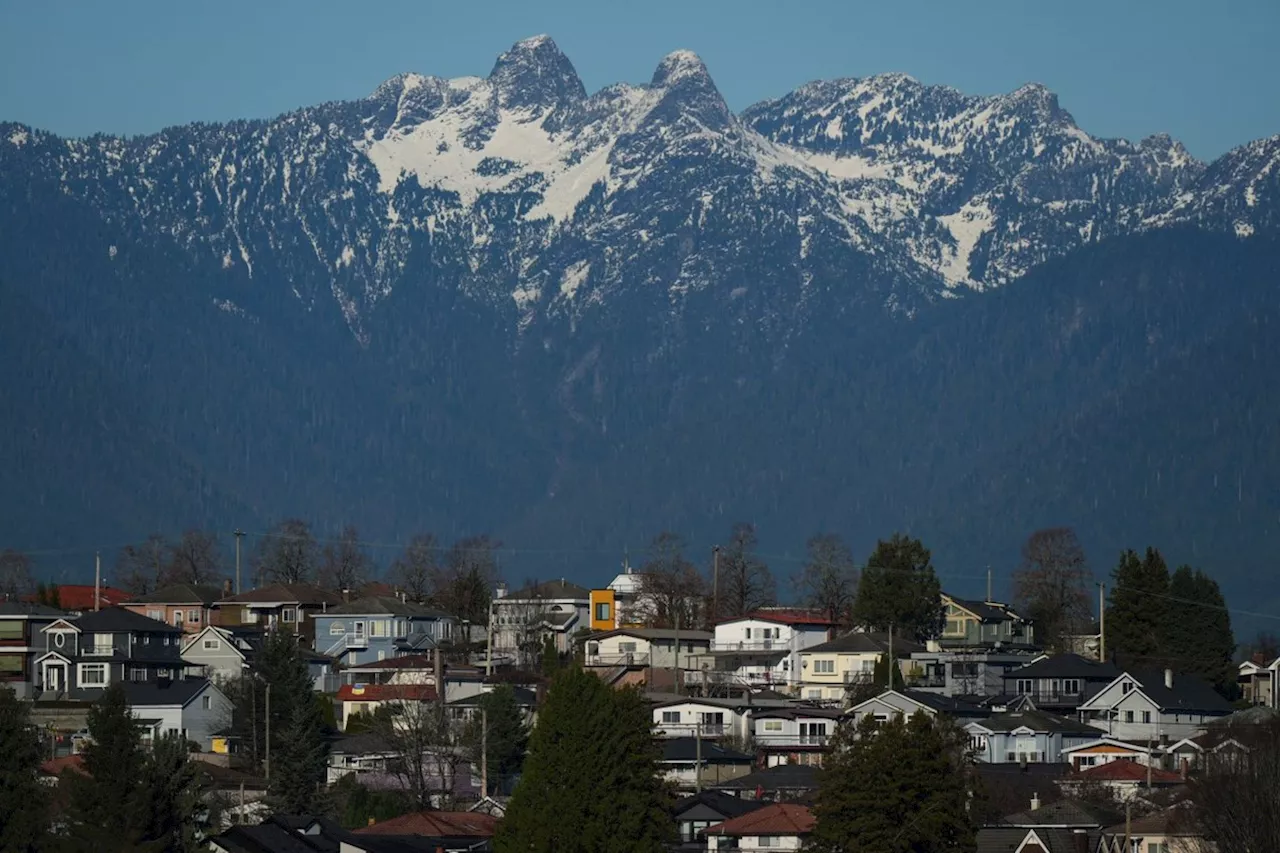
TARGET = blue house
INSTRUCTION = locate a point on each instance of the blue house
(1029, 736)
(379, 627)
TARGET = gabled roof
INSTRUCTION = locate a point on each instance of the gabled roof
(773, 819)
(230, 640)
(784, 777)
(1188, 693)
(719, 802)
(386, 693)
(378, 605)
(654, 634)
(1064, 813)
(1128, 771)
(1104, 740)
(987, 611)
(20, 609)
(556, 590)
(685, 749)
(795, 713)
(56, 766)
(118, 619)
(1036, 721)
(864, 642)
(80, 597)
(1067, 666)
(436, 824)
(294, 593)
(181, 593)
(1166, 822)
(782, 617)
(150, 694)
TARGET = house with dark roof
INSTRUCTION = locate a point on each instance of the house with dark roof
(906, 703)
(645, 647)
(983, 624)
(828, 671)
(380, 627)
(1060, 683)
(762, 649)
(1171, 830)
(83, 655)
(187, 606)
(276, 605)
(796, 735)
(191, 707)
(1067, 826)
(686, 760)
(965, 670)
(522, 620)
(777, 826)
(784, 782)
(22, 643)
(1150, 705)
(1026, 737)
(699, 811)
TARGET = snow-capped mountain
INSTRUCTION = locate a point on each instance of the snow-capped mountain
(537, 198)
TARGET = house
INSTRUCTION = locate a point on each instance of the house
(777, 826)
(907, 703)
(983, 624)
(77, 598)
(829, 670)
(784, 782)
(192, 707)
(367, 698)
(649, 647)
(220, 653)
(1168, 831)
(762, 649)
(1060, 683)
(1067, 826)
(1191, 752)
(964, 671)
(21, 644)
(520, 621)
(276, 605)
(83, 655)
(682, 716)
(285, 833)
(1099, 751)
(1143, 706)
(445, 830)
(380, 627)
(685, 760)
(184, 605)
(1257, 680)
(695, 813)
(374, 762)
(1125, 779)
(793, 735)
(1027, 736)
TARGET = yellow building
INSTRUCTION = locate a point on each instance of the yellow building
(829, 670)
(604, 610)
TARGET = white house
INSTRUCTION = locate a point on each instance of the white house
(1104, 750)
(779, 826)
(713, 717)
(520, 621)
(794, 735)
(192, 707)
(647, 647)
(763, 649)
(906, 703)
(1026, 736)
(1144, 706)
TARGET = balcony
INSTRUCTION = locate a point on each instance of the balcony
(624, 659)
(783, 740)
(750, 646)
(706, 730)
(926, 682)
(347, 642)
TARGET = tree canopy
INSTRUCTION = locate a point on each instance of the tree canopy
(899, 590)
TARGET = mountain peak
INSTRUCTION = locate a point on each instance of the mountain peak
(534, 72)
(678, 66)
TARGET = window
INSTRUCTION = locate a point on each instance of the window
(146, 639)
(768, 841)
(157, 615)
(286, 615)
(337, 629)
(177, 618)
(772, 725)
(955, 628)
(138, 673)
(825, 667)
(102, 644)
(1126, 686)
(11, 666)
(1157, 847)
(211, 645)
(978, 743)
(1146, 717)
(93, 675)
(671, 717)
(627, 648)
(1070, 685)
(206, 702)
(602, 612)
(193, 616)
(1023, 686)
(10, 630)
(815, 694)
(1128, 716)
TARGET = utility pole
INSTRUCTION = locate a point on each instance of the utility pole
(484, 753)
(488, 653)
(267, 763)
(988, 584)
(1128, 823)
(889, 668)
(677, 643)
(697, 761)
(97, 580)
(715, 584)
(239, 534)
(1102, 622)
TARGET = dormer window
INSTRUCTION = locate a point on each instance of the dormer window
(1126, 687)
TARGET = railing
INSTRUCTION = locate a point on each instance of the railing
(857, 676)
(348, 641)
(927, 681)
(1054, 696)
(624, 659)
(750, 646)
(776, 739)
(691, 729)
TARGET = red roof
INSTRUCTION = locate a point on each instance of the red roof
(785, 617)
(55, 766)
(777, 819)
(450, 824)
(386, 692)
(1128, 771)
(79, 596)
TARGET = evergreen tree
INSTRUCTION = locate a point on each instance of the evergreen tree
(896, 787)
(1137, 614)
(508, 734)
(174, 790)
(899, 590)
(24, 815)
(108, 803)
(1199, 639)
(298, 762)
(591, 779)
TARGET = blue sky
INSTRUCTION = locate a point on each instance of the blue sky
(1204, 72)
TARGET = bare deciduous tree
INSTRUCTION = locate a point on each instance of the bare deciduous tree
(1051, 586)
(464, 587)
(1234, 792)
(287, 554)
(416, 570)
(15, 574)
(670, 586)
(193, 559)
(344, 565)
(429, 747)
(746, 584)
(829, 578)
(140, 568)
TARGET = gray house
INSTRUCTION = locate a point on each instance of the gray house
(22, 642)
(84, 655)
(380, 627)
(1060, 683)
(1029, 736)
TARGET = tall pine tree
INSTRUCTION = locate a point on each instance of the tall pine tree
(1199, 639)
(1138, 611)
(298, 762)
(899, 589)
(895, 787)
(24, 815)
(591, 778)
(174, 789)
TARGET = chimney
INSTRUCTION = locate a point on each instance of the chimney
(1035, 802)
(1080, 840)
(501, 591)
(346, 596)
(372, 821)
(1168, 679)
(226, 588)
